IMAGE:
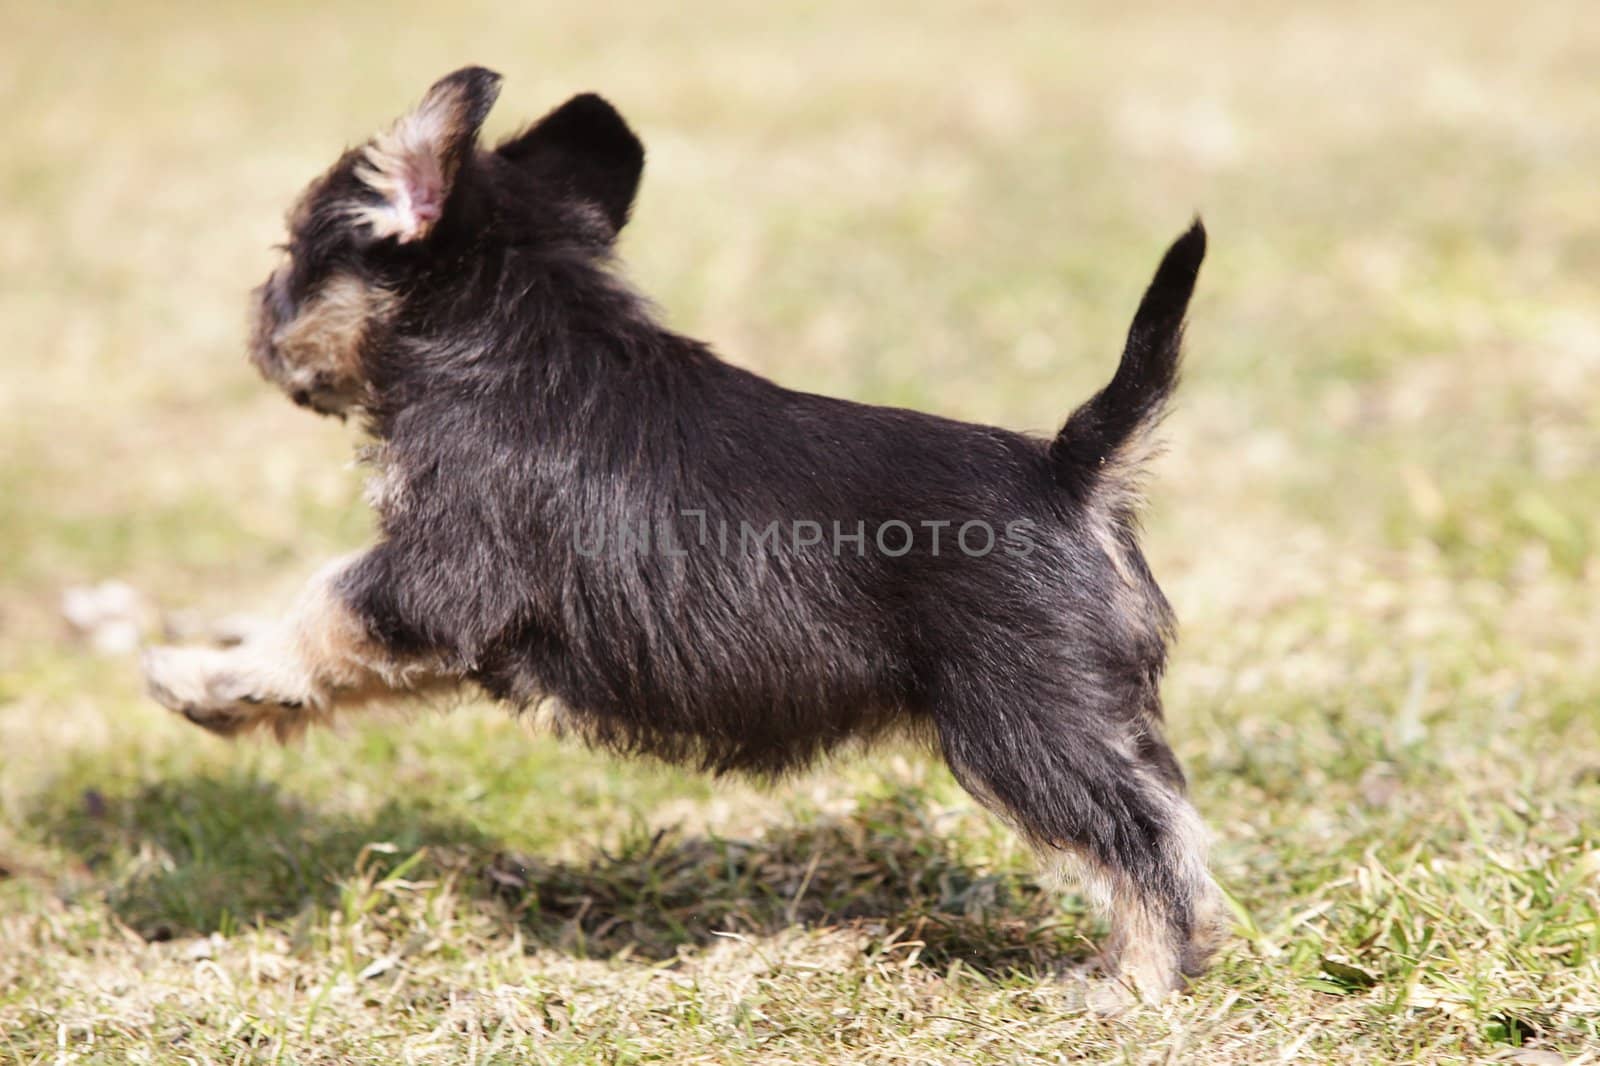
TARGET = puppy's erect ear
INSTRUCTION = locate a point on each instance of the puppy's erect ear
(412, 166)
(586, 147)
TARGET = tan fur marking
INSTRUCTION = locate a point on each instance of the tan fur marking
(1119, 498)
(1140, 952)
(325, 339)
(1128, 596)
(550, 715)
(1123, 473)
(316, 661)
(1100, 529)
(1190, 844)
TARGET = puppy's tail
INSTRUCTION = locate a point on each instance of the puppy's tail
(1108, 438)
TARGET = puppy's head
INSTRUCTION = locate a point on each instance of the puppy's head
(389, 226)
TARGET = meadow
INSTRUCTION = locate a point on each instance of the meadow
(1378, 518)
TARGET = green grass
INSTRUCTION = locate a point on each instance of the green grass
(1379, 520)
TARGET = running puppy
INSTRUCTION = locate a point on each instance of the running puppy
(578, 506)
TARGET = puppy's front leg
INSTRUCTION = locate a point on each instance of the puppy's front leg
(290, 674)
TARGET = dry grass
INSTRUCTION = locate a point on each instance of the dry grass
(1378, 521)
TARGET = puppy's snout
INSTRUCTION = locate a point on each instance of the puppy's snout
(301, 397)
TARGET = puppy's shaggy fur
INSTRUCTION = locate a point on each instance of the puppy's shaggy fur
(693, 563)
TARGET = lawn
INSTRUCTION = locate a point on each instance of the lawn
(1378, 519)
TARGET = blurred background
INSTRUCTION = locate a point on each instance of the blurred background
(1377, 519)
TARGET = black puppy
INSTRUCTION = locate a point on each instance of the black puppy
(584, 510)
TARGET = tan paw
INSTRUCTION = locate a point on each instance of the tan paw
(215, 689)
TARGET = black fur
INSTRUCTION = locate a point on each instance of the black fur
(584, 148)
(525, 399)
(1139, 392)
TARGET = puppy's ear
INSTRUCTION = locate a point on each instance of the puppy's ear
(412, 166)
(585, 147)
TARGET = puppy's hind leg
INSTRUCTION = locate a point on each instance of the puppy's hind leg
(289, 674)
(1089, 803)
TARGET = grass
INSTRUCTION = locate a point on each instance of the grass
(1379, 521)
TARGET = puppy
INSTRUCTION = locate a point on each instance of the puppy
(581, 509)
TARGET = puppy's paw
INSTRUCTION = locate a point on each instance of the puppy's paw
(1090, 987)
(1120, 986)
(1107, 997)
(216, 690)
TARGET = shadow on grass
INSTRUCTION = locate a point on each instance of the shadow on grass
(208, 854)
